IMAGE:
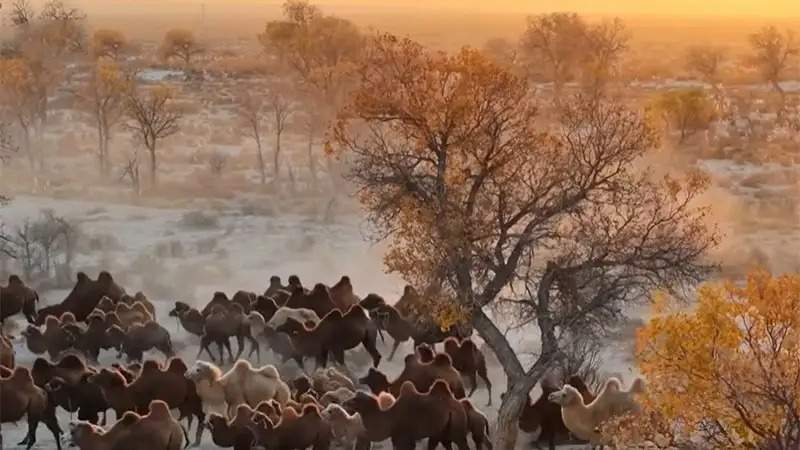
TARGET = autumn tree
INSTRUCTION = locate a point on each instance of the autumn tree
(104, 98)
(483, 206)
(605, 43)
(728, 369)
(108, 44)
(706, 62)
(182, 45)
(152, 118)
(553, 43)
(687, 111)
(322, 51)
(47, 41)
(502, 52)
(773, 52)
(20, 100)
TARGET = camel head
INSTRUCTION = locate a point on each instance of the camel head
(567, 396)
(80, 431)
(203, 370)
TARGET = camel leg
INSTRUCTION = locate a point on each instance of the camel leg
(201, 424)
(30, 438)
(473, 381)
(227, 344)
(254, 348)
(240, 342)
(363, 444)
(52, 425)
(370, 343)
(221, 347)
(483, 373)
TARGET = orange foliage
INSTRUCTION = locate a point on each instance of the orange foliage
(729, 369)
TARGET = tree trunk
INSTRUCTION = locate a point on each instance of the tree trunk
(277, 156)
(101, 158)
(506, 428)
(153, 165)
(261, 165)
(106, 156)
(312, 161)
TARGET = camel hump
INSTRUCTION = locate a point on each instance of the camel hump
(311, 409)
(409, 290)
(467, 344)
(219, 295)
(22, 374)
(289, 413)
(242, 367)
(442, 360)
(130, 418)
(177, 366)
(139, 306)
(335, 314)
(243, 410)
(15, 280)
(613, 385)
(269, 371)
(407, 389)
(82, 277)
(72, 361)
(440, 388)
(105, 276)
(386, 401)
(40, 364)
(638, 386)
(159, 410)
(410, 360)
(150, 365)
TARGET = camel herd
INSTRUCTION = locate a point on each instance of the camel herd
(251, 406)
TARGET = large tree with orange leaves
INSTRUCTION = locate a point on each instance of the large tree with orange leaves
(484, 204)
(729, 369)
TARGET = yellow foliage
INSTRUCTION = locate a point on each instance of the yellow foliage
(733, 360)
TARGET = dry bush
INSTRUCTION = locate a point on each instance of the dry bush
(199, 220)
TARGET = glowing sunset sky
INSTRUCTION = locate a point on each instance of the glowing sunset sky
(762, 8)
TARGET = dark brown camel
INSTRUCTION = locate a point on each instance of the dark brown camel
(17, 298)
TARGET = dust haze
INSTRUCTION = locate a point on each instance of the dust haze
(226, 205)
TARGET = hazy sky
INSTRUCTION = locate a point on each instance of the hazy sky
(762, 8)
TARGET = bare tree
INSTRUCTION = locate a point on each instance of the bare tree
(132, 173)
(22, 13)
(7, 145)
(252, 113)
(152, 118)
(706, 62)
(217, 162)
(104, 98)
(773, 52)
(280, 110)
